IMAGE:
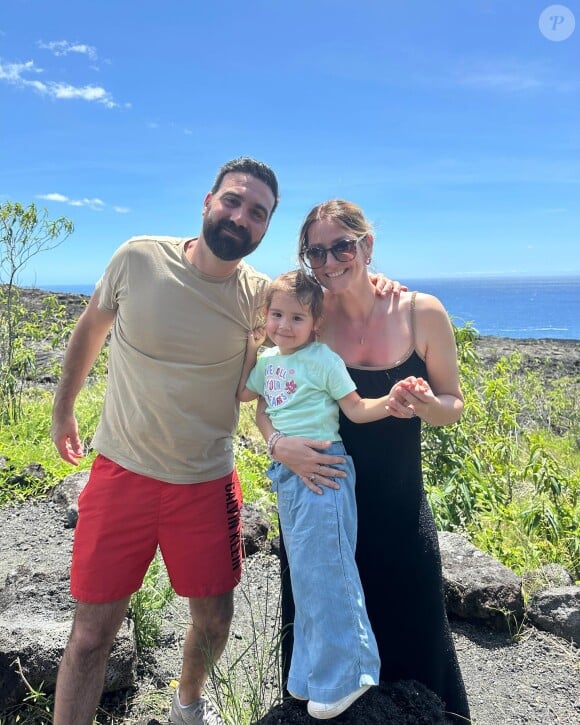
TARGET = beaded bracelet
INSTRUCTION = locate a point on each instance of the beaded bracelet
(272, 440)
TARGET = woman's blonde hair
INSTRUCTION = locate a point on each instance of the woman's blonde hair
(343, 212)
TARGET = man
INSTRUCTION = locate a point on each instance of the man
(179, 312)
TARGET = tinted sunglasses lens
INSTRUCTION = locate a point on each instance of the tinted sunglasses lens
(344, 251)
(314, 257)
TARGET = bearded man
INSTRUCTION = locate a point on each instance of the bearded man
(179, 312)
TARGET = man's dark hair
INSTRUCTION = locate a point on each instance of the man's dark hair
(247, 165)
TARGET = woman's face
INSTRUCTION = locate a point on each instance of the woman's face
(334, 274)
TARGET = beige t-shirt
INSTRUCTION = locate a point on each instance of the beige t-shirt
(175, 359)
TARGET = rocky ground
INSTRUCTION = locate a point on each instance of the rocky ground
(554, 358)
(528, 677)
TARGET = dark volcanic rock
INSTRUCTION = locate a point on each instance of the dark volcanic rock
(554, 358)
(403, 703)
(34, 299)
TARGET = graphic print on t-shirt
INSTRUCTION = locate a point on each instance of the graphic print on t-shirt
(278, 385)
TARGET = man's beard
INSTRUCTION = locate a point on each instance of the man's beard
(225, 246)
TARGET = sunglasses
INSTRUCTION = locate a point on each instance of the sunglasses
(343, 251)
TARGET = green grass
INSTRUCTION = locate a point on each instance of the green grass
(28, 441)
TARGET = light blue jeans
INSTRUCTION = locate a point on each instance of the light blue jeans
(335, 651)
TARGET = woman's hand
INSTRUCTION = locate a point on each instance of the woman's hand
(411, 397)
(302, 456)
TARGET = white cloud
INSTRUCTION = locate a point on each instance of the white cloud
(509, 75)
(502, 80)
(95, 204)
(122, 209)
(53, 197)
(64, 47)
(14, 73)
(11, 72)
(86, 93)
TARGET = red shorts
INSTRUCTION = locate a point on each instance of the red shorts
(124, 516)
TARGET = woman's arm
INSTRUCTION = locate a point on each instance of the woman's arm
(301, 455)
(439, 402)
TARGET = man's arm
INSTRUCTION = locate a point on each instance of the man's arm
(86, 341)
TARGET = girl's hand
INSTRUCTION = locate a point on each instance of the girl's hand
(256, 338)
(411, 397)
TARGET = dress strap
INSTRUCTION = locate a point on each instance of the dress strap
(413, 295)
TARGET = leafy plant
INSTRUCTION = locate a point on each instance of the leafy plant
(492, 475)
(24, 233)
(246, 682)
(147, 605)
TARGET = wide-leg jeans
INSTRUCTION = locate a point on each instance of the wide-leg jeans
(335, 651)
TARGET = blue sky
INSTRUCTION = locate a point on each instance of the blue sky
(454, 124)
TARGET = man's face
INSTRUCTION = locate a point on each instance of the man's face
(236, 216)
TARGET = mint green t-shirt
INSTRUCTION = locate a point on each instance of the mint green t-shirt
(301, 390)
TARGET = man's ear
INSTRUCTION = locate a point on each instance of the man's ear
(206, 203)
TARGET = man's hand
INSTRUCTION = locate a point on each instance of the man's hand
(385, 286)
(65, 436)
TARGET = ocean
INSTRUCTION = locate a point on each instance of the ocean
(518, 307)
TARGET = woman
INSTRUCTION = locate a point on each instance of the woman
(402, 345)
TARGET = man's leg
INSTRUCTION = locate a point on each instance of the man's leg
(82, 669)
(205, 641)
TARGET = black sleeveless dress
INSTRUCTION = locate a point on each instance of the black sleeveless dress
(397, 547)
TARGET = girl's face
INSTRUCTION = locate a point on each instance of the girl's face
(289, 324)
(337, 274)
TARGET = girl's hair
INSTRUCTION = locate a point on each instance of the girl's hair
(343, 212)
(304, 287)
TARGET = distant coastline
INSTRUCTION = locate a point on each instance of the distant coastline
(553, 357)
(541, 307)
(574, 277)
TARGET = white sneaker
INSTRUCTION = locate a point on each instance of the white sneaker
(200, 712)
(297, 697)
(324, 711)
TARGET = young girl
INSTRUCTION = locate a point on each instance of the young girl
(335, 657)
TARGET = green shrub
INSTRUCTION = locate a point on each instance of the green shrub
(492, 475)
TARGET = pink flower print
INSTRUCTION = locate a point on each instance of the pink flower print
(290, 386)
